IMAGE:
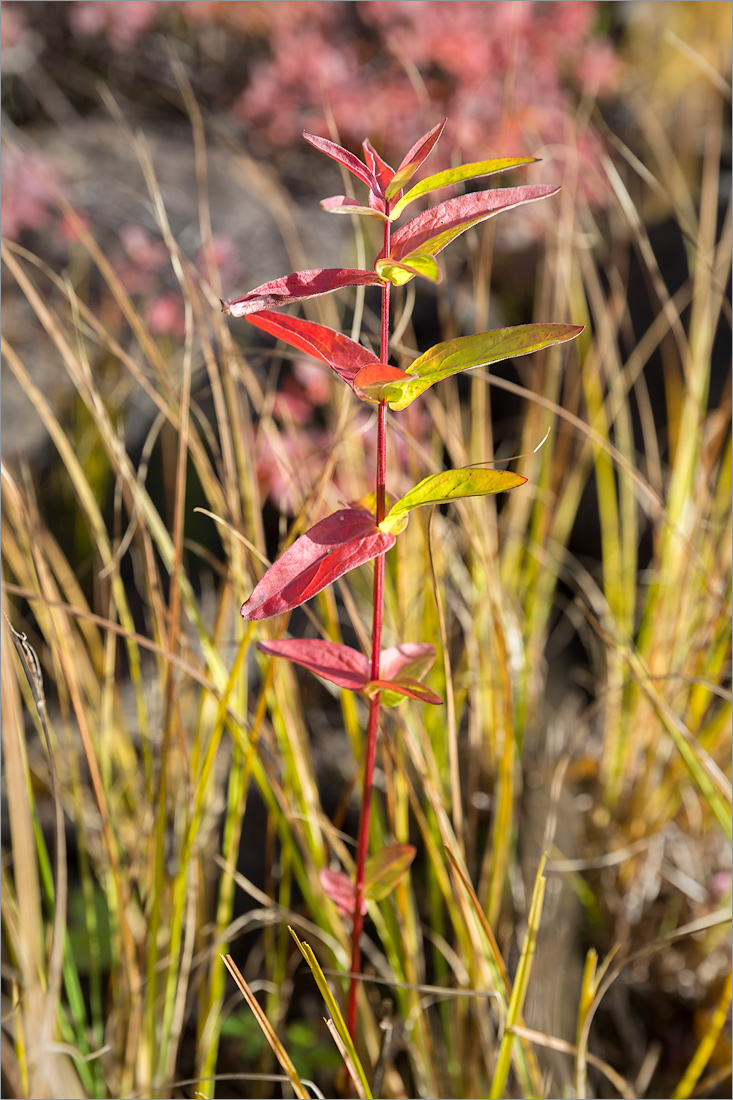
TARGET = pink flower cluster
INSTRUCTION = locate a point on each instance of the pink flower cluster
(122, 22)
(508, 73)
(143, 263)
(26, 199)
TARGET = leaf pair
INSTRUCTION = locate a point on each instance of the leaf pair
(382, 873)
(375, 381)
(412, 252)
(401, 667)
(351, 537)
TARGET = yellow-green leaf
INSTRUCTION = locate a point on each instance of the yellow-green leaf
(450, 485)
(470, 171)
(400, 273)
(385, 869)
(469, 352)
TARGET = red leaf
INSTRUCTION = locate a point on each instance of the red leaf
(298, 286)
(431, 231)
(342, 204)
(334, 546)
(343, 156)
(412, 161)
(342, 665)
(371, 381)
(382, 171)
(341, 890)
(413, 689)
(342, 354)
(348, 668)
(408, 659)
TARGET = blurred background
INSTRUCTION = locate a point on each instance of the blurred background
(154, 454)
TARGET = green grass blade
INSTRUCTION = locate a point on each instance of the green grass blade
(334, 1011)
(521, 981)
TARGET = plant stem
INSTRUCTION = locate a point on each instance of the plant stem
(373, 723)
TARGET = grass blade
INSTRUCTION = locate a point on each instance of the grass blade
(267, 1030)
(339, 1024)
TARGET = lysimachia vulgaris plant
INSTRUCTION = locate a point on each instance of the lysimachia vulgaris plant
(367, 530)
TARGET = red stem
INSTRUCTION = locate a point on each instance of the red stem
(373, 724)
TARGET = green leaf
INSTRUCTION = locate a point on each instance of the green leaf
(469, 352)
(384, 870)
(470, 171)
(399, 273)
(450, 485)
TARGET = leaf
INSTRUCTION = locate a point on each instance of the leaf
(342, 204)
(407, 659)
(400, 273)
(468, 352)
(340, 664)
(405, 687)
(382, 171)
(412, 161)
(368, 503)
(457, 175)
(382, 873)
(342, 354)
(383, 870)
(343, 156)
(334, 546)
(451, 485)
(375, 382)
(402, 667)
(341, 890)
(429, 232)
(298, 286)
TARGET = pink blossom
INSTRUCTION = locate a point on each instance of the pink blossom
(288, 464)
(12, 26)
(224, 256)
(123, 21)
(146, 253)
(315, 381)
(599, 70)
(26, 201)
(165, 316)
(290, 404)
(68, 230)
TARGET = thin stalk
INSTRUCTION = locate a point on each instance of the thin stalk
(373, 722)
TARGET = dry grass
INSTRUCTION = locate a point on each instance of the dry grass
(164, 724)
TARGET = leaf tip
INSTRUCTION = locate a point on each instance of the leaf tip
(248, 613)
